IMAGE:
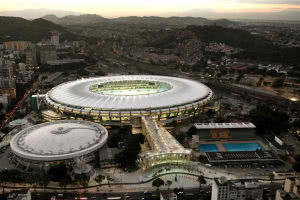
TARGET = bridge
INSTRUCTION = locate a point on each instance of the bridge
(165, 149)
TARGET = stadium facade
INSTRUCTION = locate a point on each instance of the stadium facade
(119, 100)
(51, 143)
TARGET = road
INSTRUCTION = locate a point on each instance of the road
(189, 194)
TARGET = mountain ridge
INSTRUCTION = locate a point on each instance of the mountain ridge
(16, 28)
(155, 20)
(76, 20)
(36, 13)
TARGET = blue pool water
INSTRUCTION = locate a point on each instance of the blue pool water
(242, 146)
(208, 148)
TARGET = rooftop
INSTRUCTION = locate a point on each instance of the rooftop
(59, 140)
(162, 142)
(224, 125)
(129, 93)
(240, 156)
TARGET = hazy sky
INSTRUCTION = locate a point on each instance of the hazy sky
(113, 8)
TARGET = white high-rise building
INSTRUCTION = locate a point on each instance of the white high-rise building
(31, 55)
(47, 53)
(55, 39)
(6, 69)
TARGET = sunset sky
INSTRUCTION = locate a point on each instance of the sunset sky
(115, 8)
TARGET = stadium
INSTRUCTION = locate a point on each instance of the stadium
(119, 100)
(51, 143)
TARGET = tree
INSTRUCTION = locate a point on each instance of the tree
(192, 131)
(179, 192)
(267, 120)
(82, 179)
(200, 65)
(180, 138)
(278, 83)
(64, 182)
(58, 172)
(11, 176)
(129, 154)
(201, 181)
(239, 77)
(296, 166)
(114, 140)
(44, 180)
(169, 183)
(108, 178)
(157, 183)
(99, 180)
(271, 177)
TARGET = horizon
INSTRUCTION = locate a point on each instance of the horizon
(117, 8)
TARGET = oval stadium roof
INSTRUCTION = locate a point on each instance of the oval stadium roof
(179, 92)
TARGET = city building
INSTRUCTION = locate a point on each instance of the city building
(20, 196)
(4, 100)
(6, 70)
(123, 100)
(25, 76)
(231, 144)
(223, 189)
(55, 38)
(232, 131)
(277, 144)
(31, 55)
(66, 141)
(167, 195)
(36, 102)
(7, 83)
(47, 53)
(11, 92)
(64, 61)
(107, 157)
(50, 80)
(22, 67)
(291, 190)
(16, 45)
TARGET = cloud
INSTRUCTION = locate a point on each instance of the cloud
(291, 2)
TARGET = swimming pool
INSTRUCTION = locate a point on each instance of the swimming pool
(208, 148)
(242, 146)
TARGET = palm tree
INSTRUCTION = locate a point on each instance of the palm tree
(63, 183)
(271, 177)
(201, 181)
(44, 181)
(157, 183)
(109, 179)
(99, 180)
(169, 183)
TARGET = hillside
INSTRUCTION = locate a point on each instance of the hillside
(233, 37)
(180, 21)
(36, 13)
(256, 47)
(152, 20)
(189, 43)
(76, 20)
(15, 28)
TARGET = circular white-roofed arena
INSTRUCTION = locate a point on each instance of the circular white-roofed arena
(51, 143)
(124, 99)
